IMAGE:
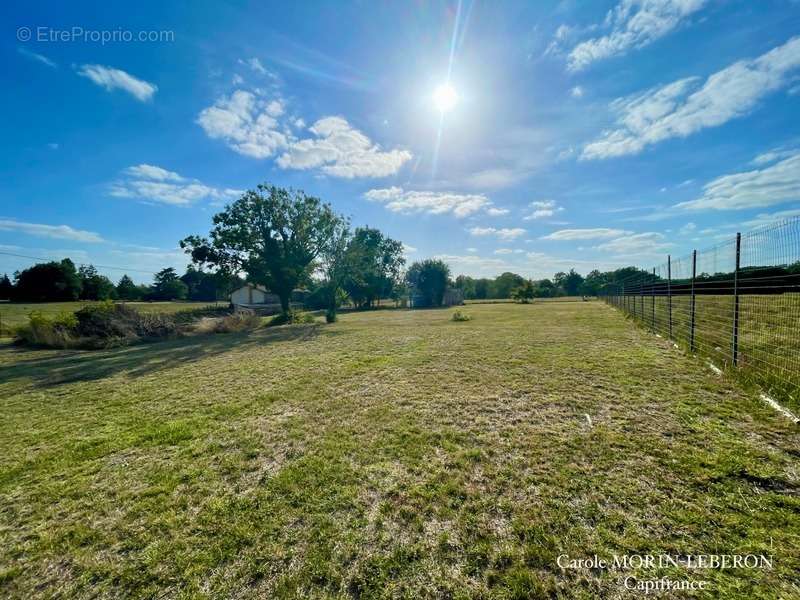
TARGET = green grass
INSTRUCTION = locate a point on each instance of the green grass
(13, 315)
(393, 454)
(769, 336)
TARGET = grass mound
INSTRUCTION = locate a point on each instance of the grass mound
(459, 316)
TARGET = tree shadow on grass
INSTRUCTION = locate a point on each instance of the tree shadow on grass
(44, 369)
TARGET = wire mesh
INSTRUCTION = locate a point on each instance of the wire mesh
(737, 304)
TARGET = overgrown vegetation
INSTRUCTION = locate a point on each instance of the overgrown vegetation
(460, 316)
(389, 456)
(291, 317)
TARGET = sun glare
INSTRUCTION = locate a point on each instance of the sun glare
(445, 97)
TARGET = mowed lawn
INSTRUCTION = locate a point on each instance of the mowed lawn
(394, 454)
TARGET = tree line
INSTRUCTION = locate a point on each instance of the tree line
(61, 281)
(512, 286)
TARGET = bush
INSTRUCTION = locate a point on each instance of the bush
(229, 324)
(96, 326)
(460, 316)
(53, 332)
(330, 316)
(292, 317)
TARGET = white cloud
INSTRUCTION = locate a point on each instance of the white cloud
(37, 57)
(542, 209)
(634, 24)
(494, 211)
(155, 184)
(472, 264)
(494, 178)
(680, 109)
(636, 244)
(576, 92)
(259, 128)
(245, 123)
(687, 229)
(403, 201)
(409, 249)
(237, 79)
(152, 172)
(758, 188)
(772, 156)
(504, 251)
(342, 151)
(254, 64)
(771, 218)
(504, 234)
(472, 249)
(110, 79)
(59, 232)
(585, 234)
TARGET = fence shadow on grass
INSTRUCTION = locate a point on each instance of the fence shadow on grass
(45, 368)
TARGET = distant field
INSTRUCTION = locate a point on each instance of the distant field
(13, 314)
(537, 300)
(393, 454)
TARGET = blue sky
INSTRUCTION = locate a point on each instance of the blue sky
(585, 134)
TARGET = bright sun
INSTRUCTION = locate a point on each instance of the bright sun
(445, 97)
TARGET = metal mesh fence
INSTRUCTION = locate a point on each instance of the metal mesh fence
(737, 304)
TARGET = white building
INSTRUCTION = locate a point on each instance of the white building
(254, 296)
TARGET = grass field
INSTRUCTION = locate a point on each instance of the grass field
(13, 315)
(394, 454)
(768, 343)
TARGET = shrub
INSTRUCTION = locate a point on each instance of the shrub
(460, 316)
(54, 332)
(229, 324)
(330, 316)
(291, 317)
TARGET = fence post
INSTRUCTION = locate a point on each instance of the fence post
(669, 294)
(694, 274)
(653, 300)
(735, 349)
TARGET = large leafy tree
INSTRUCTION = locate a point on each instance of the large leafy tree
(428, 279)
(375, 263)
(272, 234)
(6, 288)
(505, 283)
(525, 292)
(48, 282)
(127, 290)
(336, 267)
(95, 286)
(168, 286)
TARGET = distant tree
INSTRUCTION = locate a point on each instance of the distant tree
(467, 285)
(167, 286)
(336, 266)
(271, 234)
(48, 282)
(593, 283)
(6, 288)
(375, 264)
(572, 283)
(484, 288)
(545, 289)
(525, 292)
(127, 290)
(428, 279)
(95, 286)
(506, 282)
